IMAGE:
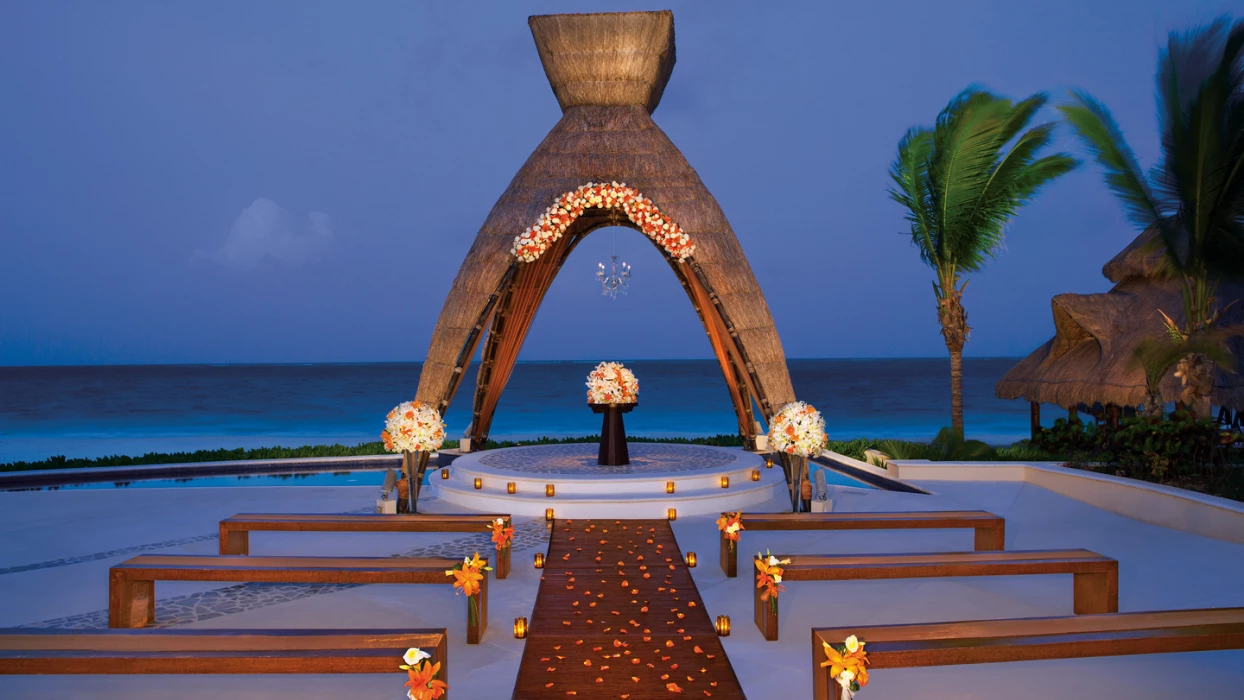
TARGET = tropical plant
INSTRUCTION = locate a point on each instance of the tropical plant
(1194, 197)
(1156, 356)
(961, 182)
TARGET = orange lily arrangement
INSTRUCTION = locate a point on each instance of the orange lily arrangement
(731, 524)
(422, 680)
(467, 576)
(502, 534)
(847, 665)
(769, 577)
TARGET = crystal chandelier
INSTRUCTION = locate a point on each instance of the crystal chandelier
(613, 283)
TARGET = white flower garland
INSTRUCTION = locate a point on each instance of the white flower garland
(413, 427)
(798, 429)
(610, 382)
(531, 244)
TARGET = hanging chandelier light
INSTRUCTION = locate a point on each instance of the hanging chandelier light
(614, 281)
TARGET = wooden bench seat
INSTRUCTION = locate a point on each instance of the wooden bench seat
(1095, 577)
(990, 529)
(992, 641)
(40, 651)
(235, 531)
(131, 584)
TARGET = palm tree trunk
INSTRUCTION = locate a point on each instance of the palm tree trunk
(956, 391)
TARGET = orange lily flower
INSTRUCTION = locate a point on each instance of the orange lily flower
(502, 536)
(423, 684)
(840, 661)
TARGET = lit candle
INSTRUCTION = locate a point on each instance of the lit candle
(548, 490)
(548, 514)
(691, 559)
(444, 473)
(755, 475)
(768, 462)
(673, 514)
(520, 628)
(725, 482)
(511, 487)
(669, 487)
(479, 483)
(539, 560)
(723, 625)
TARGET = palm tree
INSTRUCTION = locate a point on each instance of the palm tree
(1194, 196)
(962, 181)
(1156, 356)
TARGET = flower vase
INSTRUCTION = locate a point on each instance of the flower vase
(413, 465)
(796, 467)
(613, 450)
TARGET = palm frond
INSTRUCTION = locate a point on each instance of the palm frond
(909, 173)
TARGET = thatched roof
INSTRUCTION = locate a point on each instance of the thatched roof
(1090, 358)
(608, 71)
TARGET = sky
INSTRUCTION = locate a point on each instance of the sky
(299, 181)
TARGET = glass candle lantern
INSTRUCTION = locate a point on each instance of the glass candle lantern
(669, 487)
(725, 482)
(691, 559)
(479, 483)
(673, 514)
(511, 487)
(755, 475)
(539, 560)
(520, 628)
(549, 490)
(722, 625)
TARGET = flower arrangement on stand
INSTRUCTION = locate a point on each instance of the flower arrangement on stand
(467, 576)
(612, 383)
(730, 525)
(797, 432)
(502, 538)
(538, 238)
(422, 681)
(415, 430)
(769, 577)
(847, 665)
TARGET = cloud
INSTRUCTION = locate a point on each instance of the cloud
(265, 230)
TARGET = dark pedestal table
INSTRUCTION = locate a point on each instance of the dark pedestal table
(613, 433)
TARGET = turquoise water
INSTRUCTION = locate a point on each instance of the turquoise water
(352, 478)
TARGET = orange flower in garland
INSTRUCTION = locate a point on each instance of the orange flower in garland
(421, 679)
(847, 664)
(731, 524)
(769, 577)
(502, 535)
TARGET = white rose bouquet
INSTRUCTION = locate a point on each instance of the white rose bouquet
(413, 427)
(798, 429)
(612, 383)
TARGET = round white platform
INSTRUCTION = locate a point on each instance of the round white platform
(582, 488)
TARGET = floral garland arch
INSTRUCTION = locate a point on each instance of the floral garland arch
(532, 243)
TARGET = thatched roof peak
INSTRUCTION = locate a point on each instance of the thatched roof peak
(608, 58)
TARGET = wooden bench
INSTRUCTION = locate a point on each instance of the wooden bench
(40, 651)
(991, 641)
(131, 584)
(990, 529)
(1095, 577)
(235, 531)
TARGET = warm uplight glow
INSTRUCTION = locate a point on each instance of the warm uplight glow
(539, 560)
(520, 628)
(548, 514)
(725, 482)
(673, 514)
(691, 559)
(479, 483)
(444, 473)
(755, 475)
(723, 625)
(669, 487)
(548, 490)
(511, 487)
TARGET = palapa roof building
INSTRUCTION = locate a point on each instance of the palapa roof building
(1090, 358)
(608, 72)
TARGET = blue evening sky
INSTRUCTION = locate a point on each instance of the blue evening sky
(297, 181)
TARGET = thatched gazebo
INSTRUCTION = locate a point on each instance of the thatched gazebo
(608, 72)
(1090, 359)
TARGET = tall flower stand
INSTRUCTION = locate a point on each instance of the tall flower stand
(796, 468)
(414, 464)
(613, 451)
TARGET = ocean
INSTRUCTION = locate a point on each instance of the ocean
(95, 411)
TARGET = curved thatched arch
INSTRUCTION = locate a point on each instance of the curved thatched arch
(608, 72)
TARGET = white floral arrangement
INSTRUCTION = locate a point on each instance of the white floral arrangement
(798, 429)
(612, 383)
(532, 243)
(413, 427)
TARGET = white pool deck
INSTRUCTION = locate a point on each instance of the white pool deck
(1159, 568)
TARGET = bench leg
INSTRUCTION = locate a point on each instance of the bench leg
(991, 539)
(1096, 593)
(475, 632)
(766, 616)
(729, 558)
(130, 603)
(234, 542)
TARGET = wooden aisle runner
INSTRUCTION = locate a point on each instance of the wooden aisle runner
(618, 616)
